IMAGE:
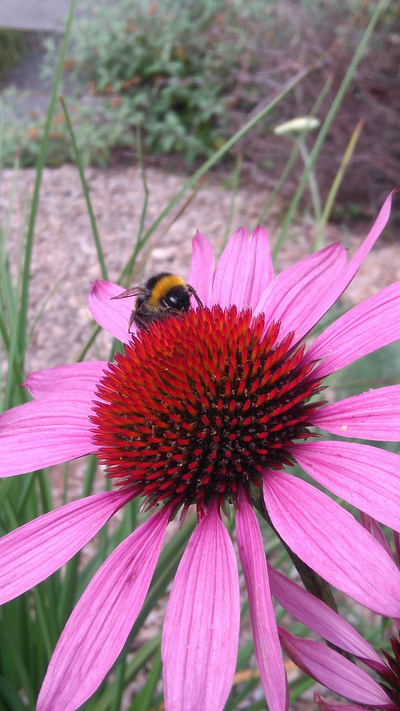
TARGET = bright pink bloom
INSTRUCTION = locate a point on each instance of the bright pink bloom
(326, 665)
(335, 671)
(221, 401)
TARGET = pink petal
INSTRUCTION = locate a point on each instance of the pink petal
(101, 621)
(113, 316)
(327, 297)
(329, 540)
(372, 415)
(292, 295)
(375, 530)
(266, 640)
(370, 325)
(44, 432)
(320, 618)
(372, 236)
(78, 377)
(244, 269)
(396, 538)
(366, 477)
(202, 269)
(201, 628)
(333, 670)
(32, 552)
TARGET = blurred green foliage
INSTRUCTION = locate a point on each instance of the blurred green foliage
(169, 68)
(189, 75)
(11, 45)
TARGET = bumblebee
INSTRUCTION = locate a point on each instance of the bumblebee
(162, 296)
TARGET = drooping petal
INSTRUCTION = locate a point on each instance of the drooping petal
(266, 640)
(365, 476)
(101, 621)
(44, 432)
(320, 618)
(396, 538)
(244, 270)
(202, 269)
(329, 540)
(32, 552)
(373, 415)
(333, 670)
(111, 315)
(201, 628)
(370, 325)
(375, 530)
(291, 296)
(78, 377)
(327, 297)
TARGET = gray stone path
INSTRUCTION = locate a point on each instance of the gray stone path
(38, 18)
(44, 15)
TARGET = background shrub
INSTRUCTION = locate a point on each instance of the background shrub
(190, 74)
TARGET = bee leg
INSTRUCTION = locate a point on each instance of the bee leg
(138, 320)
(193, 292)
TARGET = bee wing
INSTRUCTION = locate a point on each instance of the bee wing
(135, 291)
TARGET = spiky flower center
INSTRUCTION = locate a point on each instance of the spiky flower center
(200, 405)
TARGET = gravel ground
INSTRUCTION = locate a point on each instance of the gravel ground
(64, 261)
(64, 255)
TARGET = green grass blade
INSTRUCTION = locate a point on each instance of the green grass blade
(379, 8)
(38, 180)
(85, 189)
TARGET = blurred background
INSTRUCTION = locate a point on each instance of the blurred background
(190, 74)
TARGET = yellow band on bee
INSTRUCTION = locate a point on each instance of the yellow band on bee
(162, 287)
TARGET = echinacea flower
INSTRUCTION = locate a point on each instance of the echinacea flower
(328, 666)
(341, 675)
(222, 403)
(325, 664)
